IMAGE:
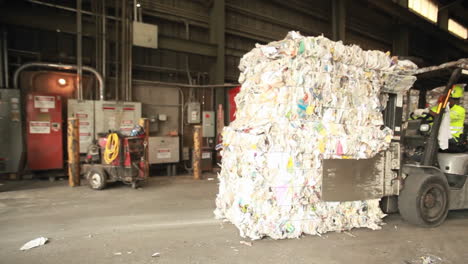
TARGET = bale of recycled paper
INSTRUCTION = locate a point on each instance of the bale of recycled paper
(303, 99)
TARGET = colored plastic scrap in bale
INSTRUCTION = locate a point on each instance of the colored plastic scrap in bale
(303, 99)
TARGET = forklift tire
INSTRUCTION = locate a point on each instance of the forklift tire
(424, 200)
(97, 179)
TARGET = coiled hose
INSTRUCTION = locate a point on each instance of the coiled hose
(112, 148)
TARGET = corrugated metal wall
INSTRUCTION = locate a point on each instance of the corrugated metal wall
(246, 22)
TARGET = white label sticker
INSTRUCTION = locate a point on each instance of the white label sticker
(44, 101)
(39, 127)
(206, 155)
(163, 154)
(126, 125)
(194, 115)
(399, 100)
(81, 115)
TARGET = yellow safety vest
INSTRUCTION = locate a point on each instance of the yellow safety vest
(457, 120)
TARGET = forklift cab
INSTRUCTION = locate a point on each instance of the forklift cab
(411, 176)
(434, 181)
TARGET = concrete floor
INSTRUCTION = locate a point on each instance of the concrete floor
(173, 216)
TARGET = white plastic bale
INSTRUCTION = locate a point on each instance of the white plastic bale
(303, 99)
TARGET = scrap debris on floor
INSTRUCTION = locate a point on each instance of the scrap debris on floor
(302, 100)
(35, 243)
(146, 229)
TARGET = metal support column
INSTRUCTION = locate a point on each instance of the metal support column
(104, 41)
(442, 18)
(403, 3)
(197, 152)
(6, 76)
(3, 83)
(117, 52)
(401, 40)
(145, 124)
(79, 57)
(217, 36)
(338, 19)
(123, 52)
(73, 147)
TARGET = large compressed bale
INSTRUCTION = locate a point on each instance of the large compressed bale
(303, 99)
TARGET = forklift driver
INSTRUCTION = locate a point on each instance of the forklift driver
(457, 117)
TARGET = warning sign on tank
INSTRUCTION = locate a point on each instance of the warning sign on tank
(81, 115)
(126, 126)
(44, 101)
(163, 154)
(39, 127)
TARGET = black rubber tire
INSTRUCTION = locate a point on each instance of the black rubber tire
(392, 200)
(417, 194)
(97, 179)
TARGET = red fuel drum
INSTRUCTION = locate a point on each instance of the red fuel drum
(44, 136)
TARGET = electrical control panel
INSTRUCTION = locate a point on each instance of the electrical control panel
(11, 141)
(163, 150)
(112, 115)
(208, 124)
(193, 113)
(84, 111)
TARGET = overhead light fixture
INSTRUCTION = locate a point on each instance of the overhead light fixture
(138, 5)
(465, 72)
(62, 82)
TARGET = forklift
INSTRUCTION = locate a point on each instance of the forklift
(412, 176)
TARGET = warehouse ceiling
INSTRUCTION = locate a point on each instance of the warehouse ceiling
(42, 30)
(458, 9)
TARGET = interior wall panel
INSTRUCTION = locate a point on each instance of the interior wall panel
(247, 22)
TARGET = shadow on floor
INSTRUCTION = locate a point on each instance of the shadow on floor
(44, 182)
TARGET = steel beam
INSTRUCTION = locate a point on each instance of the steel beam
(300, 6)
(217, 37)
(338, 19)
(3, 84)
(403, 3)
(406, 16)
(401, 40)
(188, 46)
(442, 19)
(66, 24)
(290, 25)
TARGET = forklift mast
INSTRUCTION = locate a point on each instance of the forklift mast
(393, 114)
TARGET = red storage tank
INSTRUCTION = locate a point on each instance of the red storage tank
(44, 131)
(232, 104)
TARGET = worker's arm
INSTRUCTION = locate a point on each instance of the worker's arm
(433, 110)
